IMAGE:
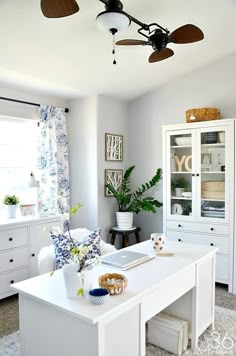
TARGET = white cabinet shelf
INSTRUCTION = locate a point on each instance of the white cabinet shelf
(207, 168)
(20, 243)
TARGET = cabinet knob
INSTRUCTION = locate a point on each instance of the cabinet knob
(10, 238)
(11, 260)
(212, 229)
(211, 244)
(33, 254)
(179, 225)
(197, 174)
(12, 281)
(179, 240)
(193, 175)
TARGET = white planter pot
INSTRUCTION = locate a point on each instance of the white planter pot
(178, 192)
(10, 211)
(75, 280)
(124, 220)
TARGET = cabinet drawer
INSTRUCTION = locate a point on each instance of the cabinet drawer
(197, 227)
(12, 259)
(13, 238)
(222, 268)
(40, 236)
(12, 277)
(222, 242)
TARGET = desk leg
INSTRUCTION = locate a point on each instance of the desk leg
(113, 236)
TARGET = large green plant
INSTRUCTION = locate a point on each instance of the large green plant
(10, 200)
(138, 200)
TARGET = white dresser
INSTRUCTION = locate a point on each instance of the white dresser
(20, 242)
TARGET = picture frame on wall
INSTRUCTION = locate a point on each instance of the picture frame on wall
(113, 147)
(113, 176)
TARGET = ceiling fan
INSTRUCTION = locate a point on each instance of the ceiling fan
(114, 20)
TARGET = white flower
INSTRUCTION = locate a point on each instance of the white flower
(56, 230)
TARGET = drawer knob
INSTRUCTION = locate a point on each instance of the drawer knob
(11, 260)
(33, 254)
(211, 244)
(212, 229)
(179, 240)
(10, 238)
(12, 281)
(193, 175)
(197, 174)
(179, 225)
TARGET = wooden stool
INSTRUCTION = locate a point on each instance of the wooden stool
(125, 235)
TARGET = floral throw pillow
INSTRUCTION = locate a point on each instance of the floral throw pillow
(63, 247)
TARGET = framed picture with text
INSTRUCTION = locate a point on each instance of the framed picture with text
(113, 147)
(114, 177)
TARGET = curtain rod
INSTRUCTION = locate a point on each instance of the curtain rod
(25, 102)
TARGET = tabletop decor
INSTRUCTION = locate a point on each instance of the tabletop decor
(10, 203)
(115, 283)
(98, 295)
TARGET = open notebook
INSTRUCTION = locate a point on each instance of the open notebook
(125, 259)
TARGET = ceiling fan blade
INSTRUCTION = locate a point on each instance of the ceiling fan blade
(159, 56)
(187, 34)
(59, 8)
(131, 43)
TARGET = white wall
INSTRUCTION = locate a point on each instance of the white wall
(212, 86)
(112, 118)
(82, 136)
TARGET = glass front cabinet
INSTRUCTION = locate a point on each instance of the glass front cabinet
(198, 178)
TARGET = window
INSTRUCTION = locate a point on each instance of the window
(18, 157)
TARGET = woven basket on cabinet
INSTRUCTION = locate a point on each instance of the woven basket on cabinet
(202, 114)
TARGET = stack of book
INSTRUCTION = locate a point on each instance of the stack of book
(169, 333)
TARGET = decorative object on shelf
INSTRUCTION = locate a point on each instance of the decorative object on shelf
(221, 135)
(177, 209)
(115, 283)
(202, 114)
(213, 190)
(183, 140)
(210, 137)
(27, 209)
(217, 159)
(158, 241)
(98, 295)
(187, 194)
(183, 160)
(10, 204)
(205, 161)
(113, 147)
(114, 177)
(134, 202)
(178, 185)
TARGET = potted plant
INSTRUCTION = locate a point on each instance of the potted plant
(133, 202)
(10, 202)
(178, 185)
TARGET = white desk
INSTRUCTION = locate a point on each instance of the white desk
(53, 325)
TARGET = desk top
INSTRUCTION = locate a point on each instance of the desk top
(142, 279)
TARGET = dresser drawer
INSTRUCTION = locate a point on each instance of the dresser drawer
(222, 242)
(13, 259)
(197, 227)
(12, 277)
(13, 238)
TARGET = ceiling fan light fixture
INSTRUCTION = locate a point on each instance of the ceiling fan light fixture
(113, 21)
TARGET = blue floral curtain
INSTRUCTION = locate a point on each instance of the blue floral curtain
(53, 162)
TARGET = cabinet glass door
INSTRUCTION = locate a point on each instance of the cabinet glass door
(213, 170)
(179, 178)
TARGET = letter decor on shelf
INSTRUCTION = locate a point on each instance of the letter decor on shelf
(183, 160)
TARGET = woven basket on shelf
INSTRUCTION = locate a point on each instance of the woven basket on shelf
(202, 114)
(107, 281)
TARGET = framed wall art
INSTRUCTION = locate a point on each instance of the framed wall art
(113, 147)
(113, 176)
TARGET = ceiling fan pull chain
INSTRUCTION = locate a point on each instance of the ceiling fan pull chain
(114, 49)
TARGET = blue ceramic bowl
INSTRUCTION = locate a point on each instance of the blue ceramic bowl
(98, 295)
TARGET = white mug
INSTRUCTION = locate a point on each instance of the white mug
(158, 241)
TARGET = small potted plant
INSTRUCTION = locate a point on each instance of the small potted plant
(10, 202)
(133, 202)
(178, 185)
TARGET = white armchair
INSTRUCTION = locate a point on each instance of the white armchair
(46, 257)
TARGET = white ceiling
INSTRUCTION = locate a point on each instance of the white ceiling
(71, 57)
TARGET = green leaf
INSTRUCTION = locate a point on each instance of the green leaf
(52, 273)
(80, 292)
(75, 208)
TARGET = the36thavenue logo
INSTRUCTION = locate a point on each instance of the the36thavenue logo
(217, 345)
